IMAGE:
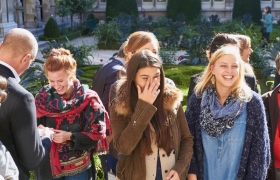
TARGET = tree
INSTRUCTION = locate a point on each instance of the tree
(252, 7)
(172, 9)
(51, 29)
(117, 7)
(72, 7)
(190, 8)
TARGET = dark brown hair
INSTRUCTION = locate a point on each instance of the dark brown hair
(142, 59)
(220, 40)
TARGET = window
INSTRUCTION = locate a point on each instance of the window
(219, 0)
(205, 0)
(147, 0)
(165, 0)
(102, 0)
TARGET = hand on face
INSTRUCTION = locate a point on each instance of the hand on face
(150, 91)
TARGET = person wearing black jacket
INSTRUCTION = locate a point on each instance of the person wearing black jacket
(101, 83)
(218, 41)
(18, 130)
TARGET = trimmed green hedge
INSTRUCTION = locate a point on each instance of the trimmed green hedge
(117, 7)
(51, 29)
(64, 38)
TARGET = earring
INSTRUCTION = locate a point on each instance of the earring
(213, 79)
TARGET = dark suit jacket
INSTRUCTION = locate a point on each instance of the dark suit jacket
(18, 129)
(271, 105)
(249, 78)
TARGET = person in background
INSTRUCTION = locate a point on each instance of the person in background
(266, 20)
(77, 116)
(221, 40)
(8, 168)
(228, 122)
(18, 130)
(140, 40)
(271, 102)
(148, 123)
(245, 52)
(136, 41)
(101, 83)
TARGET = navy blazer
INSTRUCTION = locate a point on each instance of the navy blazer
(104, 78)
(18, 130)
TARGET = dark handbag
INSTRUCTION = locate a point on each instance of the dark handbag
(263, 30)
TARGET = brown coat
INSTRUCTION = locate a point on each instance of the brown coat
(271, 105)
(128, 126)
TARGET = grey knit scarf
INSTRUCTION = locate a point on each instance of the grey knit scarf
(216, 118)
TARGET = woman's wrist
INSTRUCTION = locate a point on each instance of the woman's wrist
(69, 135)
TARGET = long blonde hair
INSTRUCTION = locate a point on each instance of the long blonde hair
(239, 89)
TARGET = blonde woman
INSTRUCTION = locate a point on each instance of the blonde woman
(228, 122)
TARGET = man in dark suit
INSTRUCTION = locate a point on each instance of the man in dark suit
(18, 130)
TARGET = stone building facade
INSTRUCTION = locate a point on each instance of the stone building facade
(157, 8)
(24, 13)
(34, 13)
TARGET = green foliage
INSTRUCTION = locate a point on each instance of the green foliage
(51, 29)
(252, 7)
(108, 33)
(71, 7)
(172, 8)
(66, 35)
(198, 43)
(80, 53)
(115, 8)
(214, 19)
(190, 8)
(126, 24)
(168, 54)
(33, 78)
(270, 55)
(233, 26)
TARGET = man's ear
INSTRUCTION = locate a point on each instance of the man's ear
(25, 58)
(278, 71)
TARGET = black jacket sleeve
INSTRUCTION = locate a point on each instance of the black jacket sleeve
(27, 140)
(193, 82)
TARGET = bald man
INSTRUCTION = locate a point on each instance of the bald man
(18, 123)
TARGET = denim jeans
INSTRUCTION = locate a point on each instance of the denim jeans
(80, 176)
